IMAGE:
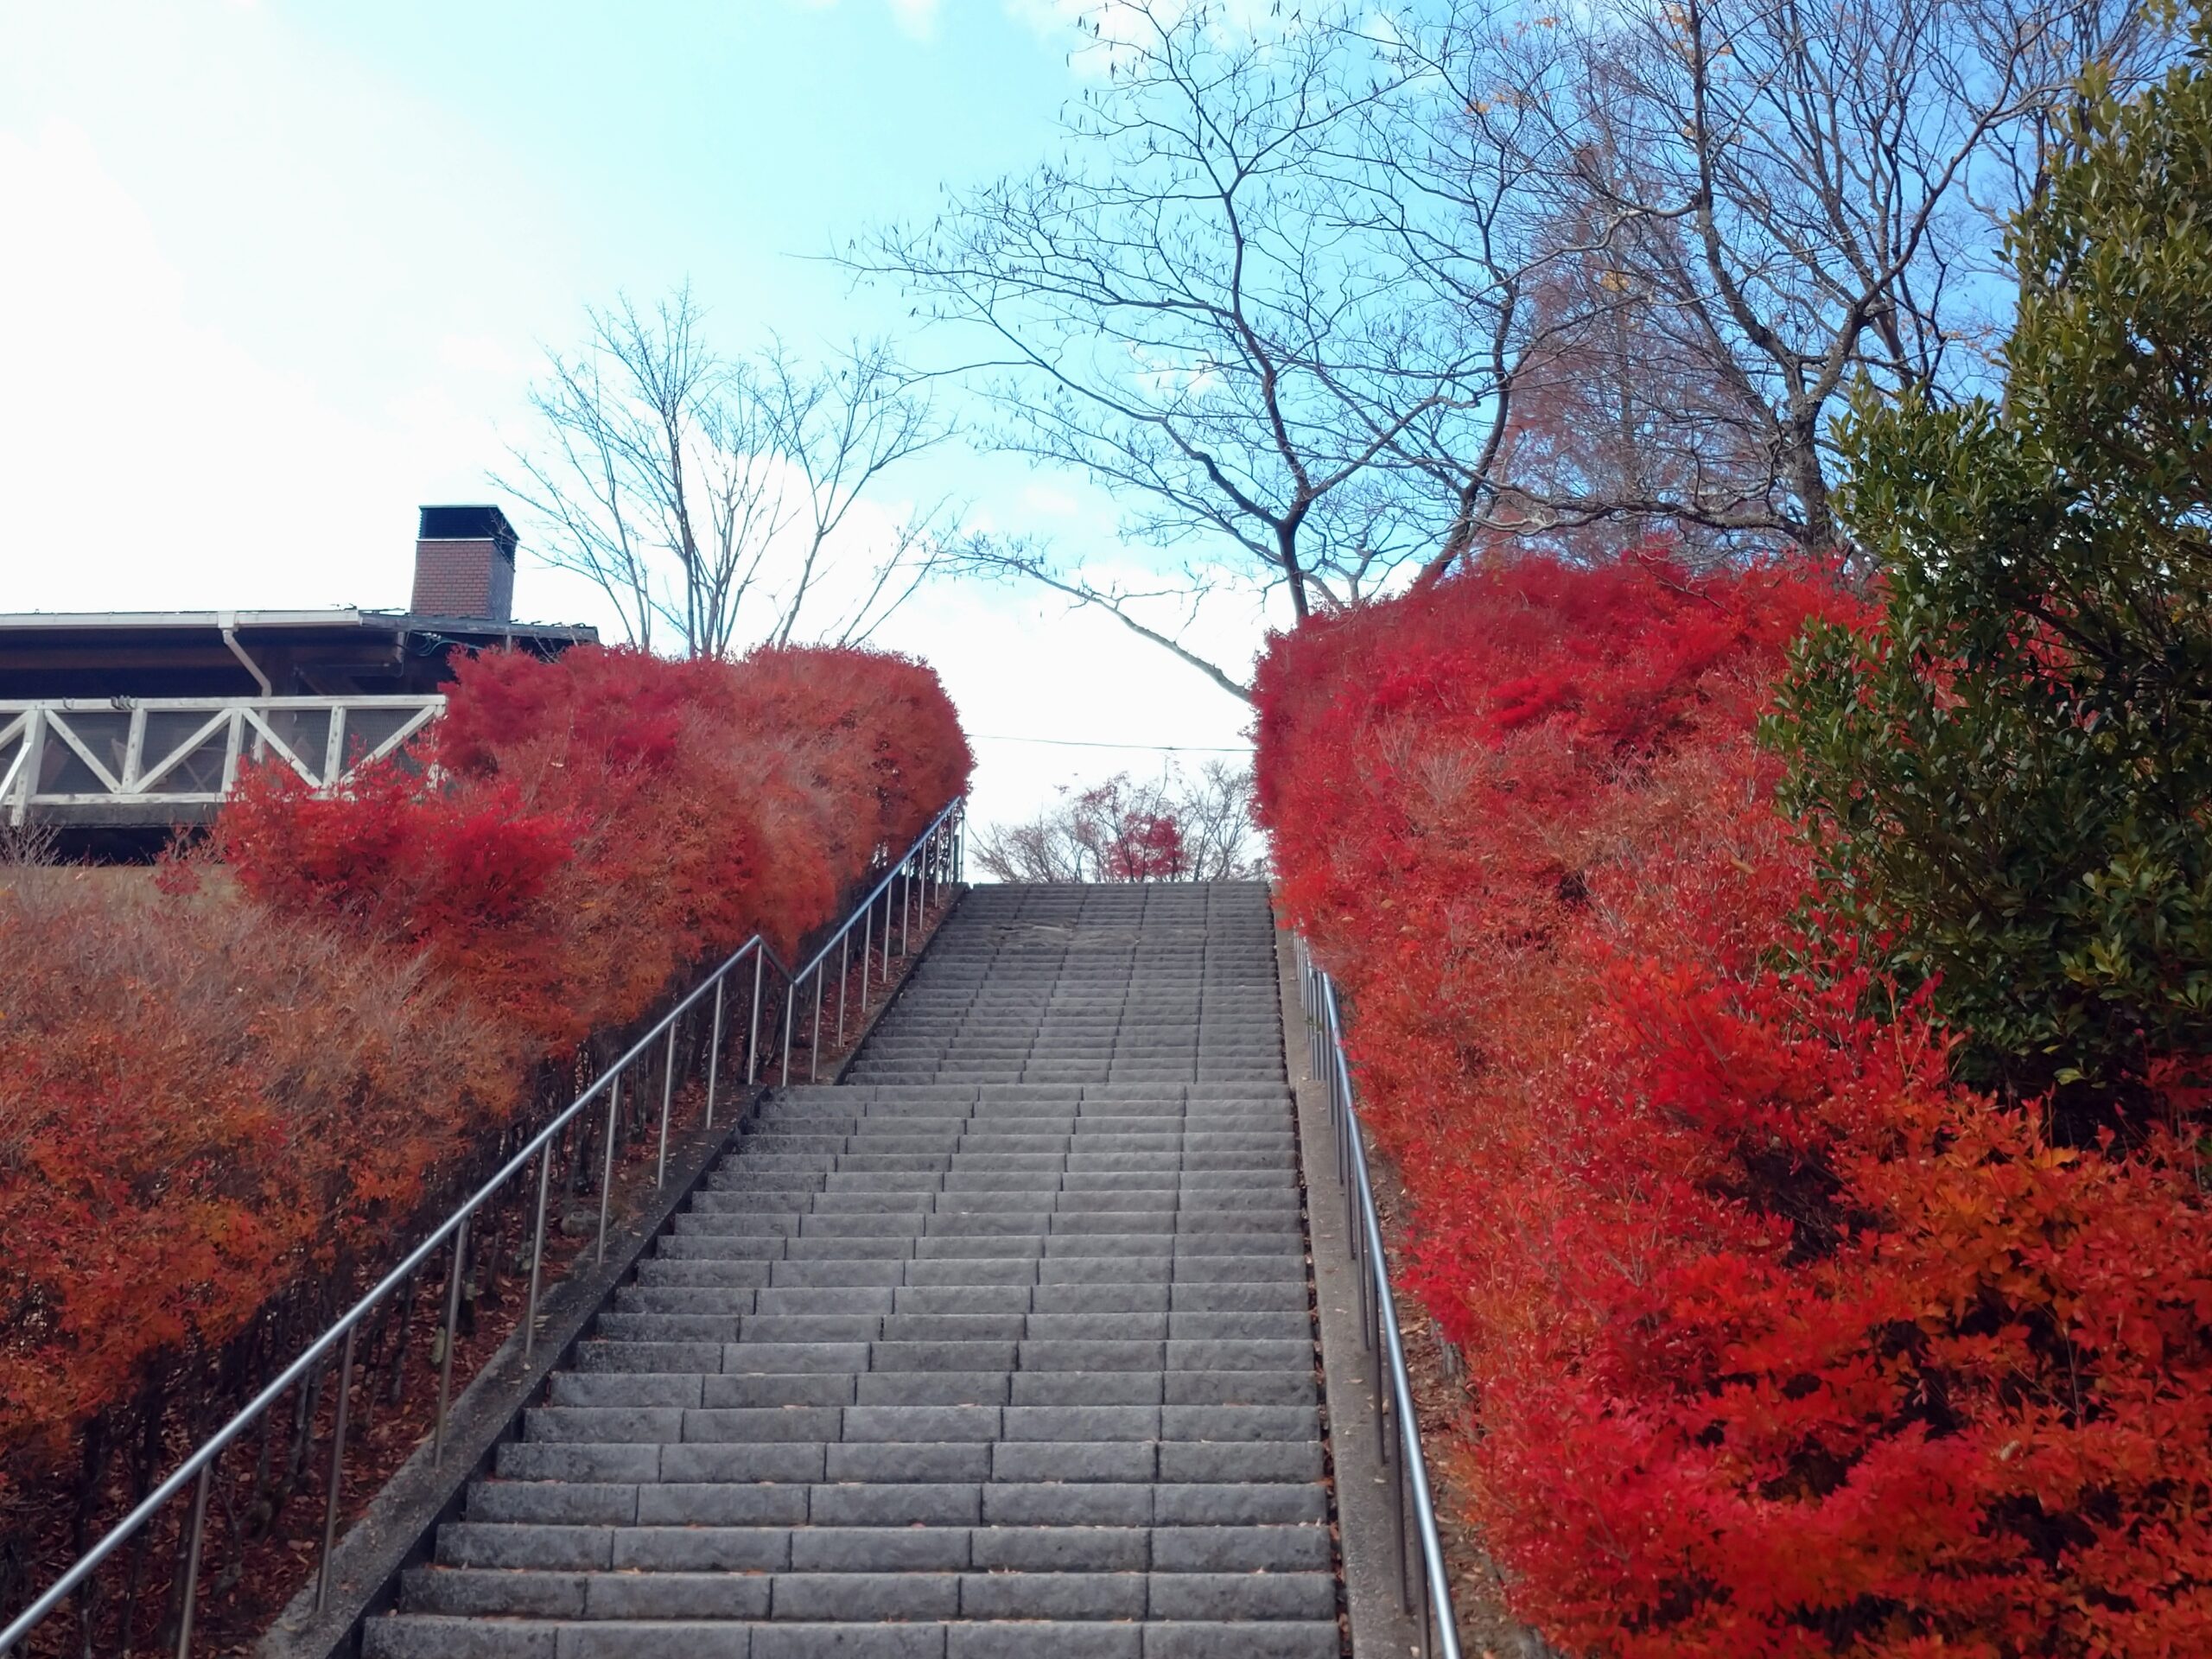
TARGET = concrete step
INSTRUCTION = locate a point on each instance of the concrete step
(919, 1203)
(691, 1546)
(424, 1636)
(937, 1386)
(715, 1425)
(811, 1246)
(1176, 1462)
(723, 1583)
(1002, 1296)
(1070, 1502)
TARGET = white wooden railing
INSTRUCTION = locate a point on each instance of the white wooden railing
(164, 752)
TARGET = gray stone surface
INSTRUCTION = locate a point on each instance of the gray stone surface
(1001, 1345)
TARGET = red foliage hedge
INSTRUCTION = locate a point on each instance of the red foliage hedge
(212, 1098)
(1777, 1343)
(607, 818)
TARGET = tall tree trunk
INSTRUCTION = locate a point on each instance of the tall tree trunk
(1809, 482)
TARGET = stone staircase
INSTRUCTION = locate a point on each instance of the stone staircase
(1000, 1348)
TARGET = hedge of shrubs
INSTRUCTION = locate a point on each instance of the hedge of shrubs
(1777, 1341)
(228, 1094)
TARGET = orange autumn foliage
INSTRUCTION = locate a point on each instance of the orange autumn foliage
(200, 1104)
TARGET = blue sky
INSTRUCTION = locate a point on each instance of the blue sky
(277, 272)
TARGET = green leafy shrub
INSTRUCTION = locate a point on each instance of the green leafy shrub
(2009, 779)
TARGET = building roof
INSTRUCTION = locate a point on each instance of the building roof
(230, 653)
(336, 617)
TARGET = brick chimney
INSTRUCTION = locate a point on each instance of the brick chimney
(464, 564)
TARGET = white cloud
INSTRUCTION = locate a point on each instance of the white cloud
(1049, 17)
(156, 464)
(917, 17)
(1021, 666)
(486, 354)
(1049, 501)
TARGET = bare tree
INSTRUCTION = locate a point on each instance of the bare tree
(1344, 294)
(1224, 308)
(1610, 404)
(1783, 197)
(840, 429)
(719, 499)
(1174, 828)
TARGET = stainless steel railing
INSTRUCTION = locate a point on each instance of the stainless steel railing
(936, 856)
(1395, 1419)
(940, 862)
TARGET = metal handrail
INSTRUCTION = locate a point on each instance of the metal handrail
(945, 861)
(1379, 1313)
(939, 848)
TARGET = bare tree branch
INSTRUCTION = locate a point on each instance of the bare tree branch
(1218, 308)
(722, 500)
(1758, 204)
(1002, 557)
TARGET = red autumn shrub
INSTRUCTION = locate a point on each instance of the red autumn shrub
(862, 720)
(213, 1099)
(200, 1104)
(595, 824)
(1776, 1343)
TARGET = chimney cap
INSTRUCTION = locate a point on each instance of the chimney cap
(468, 523)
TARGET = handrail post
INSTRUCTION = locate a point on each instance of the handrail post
(753, 1033)
(844, 973)
(791, 997)
(454, 1269)
(714, 1046)
(192, 1559)
(337, 1470)
(1401, 1498)
(667, 1097)
(814, 1034)
(868, 949)
(537, 1249)
(606, 1162)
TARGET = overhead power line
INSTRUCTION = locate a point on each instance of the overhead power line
(1082, 743)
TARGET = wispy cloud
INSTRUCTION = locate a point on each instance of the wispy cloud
(915, 18)
(1048, 17)
(1107, 30)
